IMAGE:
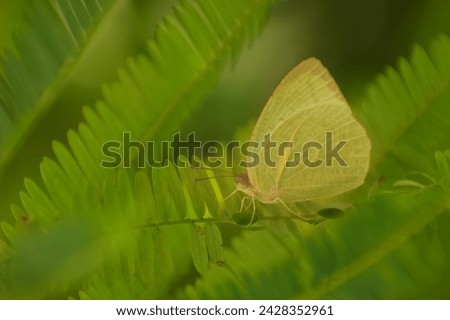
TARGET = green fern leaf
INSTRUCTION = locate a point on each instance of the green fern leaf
(48, 53)
(198, 247)
(402, 107)
(214, 243)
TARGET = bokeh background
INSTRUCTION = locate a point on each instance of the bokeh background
(355, 39)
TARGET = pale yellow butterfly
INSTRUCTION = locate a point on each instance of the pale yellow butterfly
(307, 106)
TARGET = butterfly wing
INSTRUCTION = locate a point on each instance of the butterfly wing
(307, 106)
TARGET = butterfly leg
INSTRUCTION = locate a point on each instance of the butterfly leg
(298, 214)
(242, 204)
(252, 204)
(254, 210)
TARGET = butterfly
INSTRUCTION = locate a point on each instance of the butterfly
(306, 109)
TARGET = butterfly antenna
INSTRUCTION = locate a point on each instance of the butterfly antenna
(212, 169)
(231, 194)
(209, 178)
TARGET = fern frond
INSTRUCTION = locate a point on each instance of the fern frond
(406, 112)
(48, 52)
(150, 99)
(381, 250)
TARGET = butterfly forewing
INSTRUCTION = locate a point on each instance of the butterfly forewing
(308, 107)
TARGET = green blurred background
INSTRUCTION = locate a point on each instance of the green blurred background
(355, 39)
